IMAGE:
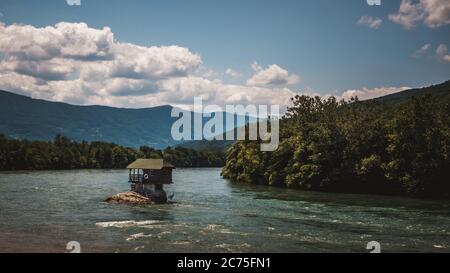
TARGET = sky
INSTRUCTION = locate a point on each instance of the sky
(141, 53)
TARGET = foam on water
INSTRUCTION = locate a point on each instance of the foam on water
(234, 248)
(138, 236)
(127, 224)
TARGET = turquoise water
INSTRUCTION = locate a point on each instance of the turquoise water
(42, 211)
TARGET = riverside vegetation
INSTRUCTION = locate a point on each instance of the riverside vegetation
(64, 154)
(377, 146)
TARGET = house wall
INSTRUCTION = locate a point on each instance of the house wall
(163, 176)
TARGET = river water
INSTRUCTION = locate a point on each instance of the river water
(43, 211)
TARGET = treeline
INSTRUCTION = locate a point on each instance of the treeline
(354, 147)
(63, 154)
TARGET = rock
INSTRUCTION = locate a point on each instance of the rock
(131, 198)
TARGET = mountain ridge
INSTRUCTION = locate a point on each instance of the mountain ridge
(36, 119)
(441, 89)
(23, 117)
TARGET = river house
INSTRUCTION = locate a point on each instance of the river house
(148, 177)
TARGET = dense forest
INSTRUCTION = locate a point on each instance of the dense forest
(62, 154)
(355, 147)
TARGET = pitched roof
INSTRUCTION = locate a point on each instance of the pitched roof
(150, 164)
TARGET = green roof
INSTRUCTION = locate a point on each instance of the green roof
(150, 164)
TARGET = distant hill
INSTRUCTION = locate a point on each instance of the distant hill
(22, 117)
(442, 90)
(26, 118)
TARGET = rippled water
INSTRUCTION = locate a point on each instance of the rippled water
(42, 211)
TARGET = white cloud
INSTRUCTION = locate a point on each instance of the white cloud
(65, 40)
(442, 53)
(371, 22)
(74, 63)
(421, 51)
(215, 91)
(434, 13)
(232, 73)
(408, 15)
(77, 64)
(437, 12)
(70, 51)
(132, 61)
(366, 93)
(272, 76)
(256, 67)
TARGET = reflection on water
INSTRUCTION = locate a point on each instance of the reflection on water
(42, 211)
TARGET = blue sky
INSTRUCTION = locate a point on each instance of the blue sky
(318, 40)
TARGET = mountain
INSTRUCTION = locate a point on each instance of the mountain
(23, 117)
(441, 90)
(26, 118)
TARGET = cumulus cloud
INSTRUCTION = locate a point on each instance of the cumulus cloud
(272, 76)
(74, 63)
(434, 13)
(367, 93)
(442, 53)
(215, 91)
(369, 21)
(65, 40)
(69, 49)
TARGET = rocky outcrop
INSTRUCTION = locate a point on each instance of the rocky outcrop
(130, 198)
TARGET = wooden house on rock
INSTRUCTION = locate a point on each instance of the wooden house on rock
(148, 177)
